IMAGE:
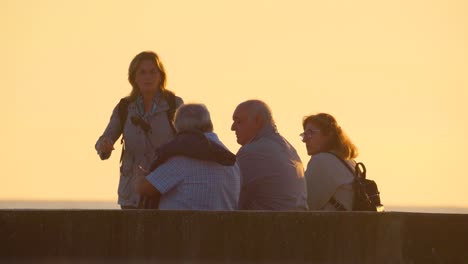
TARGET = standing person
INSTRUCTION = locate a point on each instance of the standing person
(329, 181)
(145, 120)
(195, 171)
(271, 171)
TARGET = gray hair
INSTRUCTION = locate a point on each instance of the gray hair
(259, 108)
(190, 117)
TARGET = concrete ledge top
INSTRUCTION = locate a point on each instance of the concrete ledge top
(233, 236)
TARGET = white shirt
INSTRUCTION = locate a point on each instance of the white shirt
(327, 176)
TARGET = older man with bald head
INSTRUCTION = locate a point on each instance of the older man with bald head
(272, 174)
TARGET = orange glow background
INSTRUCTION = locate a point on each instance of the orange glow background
(393, 73)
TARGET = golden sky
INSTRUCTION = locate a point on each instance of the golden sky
(393, 73)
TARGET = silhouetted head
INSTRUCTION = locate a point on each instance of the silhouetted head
(249, 118)
(323, 134)
(193, 117)
(146, 74)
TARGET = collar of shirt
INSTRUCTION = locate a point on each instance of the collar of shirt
(141, 107)
(213, 137)
(265, 131)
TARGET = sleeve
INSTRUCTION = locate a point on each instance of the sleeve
(168, 175)
(112, 131)
(321, 181)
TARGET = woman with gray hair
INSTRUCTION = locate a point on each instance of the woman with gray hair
(195, 171)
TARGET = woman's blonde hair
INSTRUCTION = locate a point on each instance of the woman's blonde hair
(132, 69)
(338, 143)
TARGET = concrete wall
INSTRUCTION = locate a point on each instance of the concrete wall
(137, 236)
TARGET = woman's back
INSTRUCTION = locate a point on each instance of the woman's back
(327, 177)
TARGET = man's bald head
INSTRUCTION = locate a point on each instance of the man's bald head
(249, 118)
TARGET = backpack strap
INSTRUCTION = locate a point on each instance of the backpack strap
(171, 101)
(359, 169)
(339, 206)
(122, 109)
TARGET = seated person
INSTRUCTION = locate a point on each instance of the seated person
(329, 181)
(195, 171)
(272, 172)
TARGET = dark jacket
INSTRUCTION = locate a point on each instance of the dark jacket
(191, 144)
(196, 145)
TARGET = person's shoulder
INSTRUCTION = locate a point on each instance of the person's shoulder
(213, 137)
(246, 153)
(264, 145)
(123, 102)
(170, 95)
(177, 160)
(320, 164)
(179, 101)
(250, 148)
(276, 146)
(178, 164)
(186, 165)
(260, 150)
(327, 162)
(324, 158)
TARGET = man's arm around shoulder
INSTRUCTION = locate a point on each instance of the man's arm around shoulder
(144, 187)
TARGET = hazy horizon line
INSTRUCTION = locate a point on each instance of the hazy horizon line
(112, 204)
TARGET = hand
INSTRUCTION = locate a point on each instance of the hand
(143, 186)
(140, 183)
(105, 146)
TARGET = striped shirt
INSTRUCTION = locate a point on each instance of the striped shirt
(191, 184)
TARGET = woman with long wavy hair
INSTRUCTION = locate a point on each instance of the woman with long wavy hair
(144, 119)
(329, 180)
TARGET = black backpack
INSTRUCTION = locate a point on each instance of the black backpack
(123, 113)
(366, 193)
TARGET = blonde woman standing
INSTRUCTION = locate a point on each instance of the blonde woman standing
(144, 118)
